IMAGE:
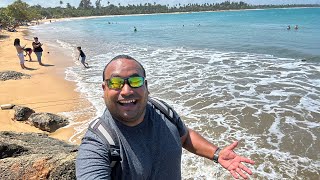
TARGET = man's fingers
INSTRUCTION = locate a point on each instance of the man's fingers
(246, 160)
(246, 169)
(241, 173)
(232, 146)
(234, 174)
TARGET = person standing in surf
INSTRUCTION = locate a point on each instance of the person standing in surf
(83, 57)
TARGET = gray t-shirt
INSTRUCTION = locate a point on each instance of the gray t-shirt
(150, 150)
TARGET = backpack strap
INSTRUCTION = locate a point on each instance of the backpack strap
(101, 129)
(164, 108)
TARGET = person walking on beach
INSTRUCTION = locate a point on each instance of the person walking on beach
(20, 51)
(135, 139)
(37, 49)
(83, 57)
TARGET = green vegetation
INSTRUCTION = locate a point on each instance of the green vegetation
(19, 12)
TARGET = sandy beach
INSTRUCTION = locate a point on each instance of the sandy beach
(45, 91)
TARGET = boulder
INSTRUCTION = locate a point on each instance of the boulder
(47, 121)
(22, 113)
(8, 75)
(35, 156)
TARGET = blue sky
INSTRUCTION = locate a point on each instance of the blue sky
(54, 3)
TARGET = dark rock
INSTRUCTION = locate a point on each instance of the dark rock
(39, 157)
(10, 150)
(47, 121)
(22, 113)
(7, 75)
(65, 170)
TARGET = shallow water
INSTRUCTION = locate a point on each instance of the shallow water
(231, 75)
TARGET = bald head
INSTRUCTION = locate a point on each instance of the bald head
(122, 57)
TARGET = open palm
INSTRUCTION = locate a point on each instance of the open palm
(233, 162)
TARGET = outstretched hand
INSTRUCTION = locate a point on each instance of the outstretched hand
(233, 162)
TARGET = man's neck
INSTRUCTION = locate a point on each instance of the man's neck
(131, 123)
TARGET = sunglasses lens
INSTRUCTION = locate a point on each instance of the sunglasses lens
(136, 82)
(115, 83)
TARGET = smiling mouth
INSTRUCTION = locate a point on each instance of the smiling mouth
(127, 102)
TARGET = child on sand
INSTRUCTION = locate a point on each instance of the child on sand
(83, 57)
(28, 52)
(20, 52)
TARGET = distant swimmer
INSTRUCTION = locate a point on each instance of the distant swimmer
(135, 29)
(296, 27)
(288, 27)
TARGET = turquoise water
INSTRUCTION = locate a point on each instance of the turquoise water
(230, 75)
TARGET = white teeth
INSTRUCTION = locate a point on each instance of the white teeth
(127, 102)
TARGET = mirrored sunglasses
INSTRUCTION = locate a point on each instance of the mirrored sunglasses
(118, 82)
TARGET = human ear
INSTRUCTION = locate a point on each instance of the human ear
(103, 85)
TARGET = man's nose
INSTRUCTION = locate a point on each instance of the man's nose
(126, 90)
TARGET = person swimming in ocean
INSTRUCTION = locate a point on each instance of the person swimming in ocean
(296, 27)
(288, 27)
(135, 29)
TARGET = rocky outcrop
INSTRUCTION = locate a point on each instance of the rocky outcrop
(35, 156)
(22, 113)
(47, 121)
(14, 75)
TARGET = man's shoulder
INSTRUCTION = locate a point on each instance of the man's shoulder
(103, 129)
(162, 107)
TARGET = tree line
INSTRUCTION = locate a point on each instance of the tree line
(19, 12)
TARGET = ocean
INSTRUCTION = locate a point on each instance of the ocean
(231, 75)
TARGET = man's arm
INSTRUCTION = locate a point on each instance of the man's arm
(92, 161)
(34, 45)
(195, 143)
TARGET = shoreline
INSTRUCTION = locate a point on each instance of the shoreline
(46, 91)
